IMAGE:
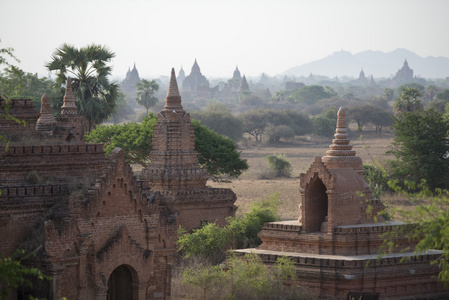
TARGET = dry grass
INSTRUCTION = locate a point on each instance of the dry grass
(254, 185)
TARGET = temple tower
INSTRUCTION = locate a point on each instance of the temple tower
(336, 242)
(46, 122)
(174, 170)
(174, 161)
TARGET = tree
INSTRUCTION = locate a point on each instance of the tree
(431, 90)
(280, 166)
(216, 153)
(7, 52)
(95, 95)
(255, 122)
(145, 93)
(388, 94)
(325, 122)
(134, 138)
(15, 83)
(311, 94)
(408, 100)
(421, 146)
(13, 273)
(220, 119)
(275, 133)
(430, 223)
(444, 95)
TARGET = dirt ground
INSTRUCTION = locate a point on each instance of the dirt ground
(254, 184)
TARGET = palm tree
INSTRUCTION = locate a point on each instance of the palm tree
(145, 93)
(87, 66)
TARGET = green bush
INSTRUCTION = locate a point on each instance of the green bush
(244, 277)
(210, 241)
(377, 178)
(279, 165)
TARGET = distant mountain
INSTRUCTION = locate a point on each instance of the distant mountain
(376, 63)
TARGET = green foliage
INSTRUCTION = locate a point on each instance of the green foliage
(145, 93)
(311, 94)
(15, 83)
(388, 94)
(268, 121)
(205, 277)
(250, 278)
(219, 118)
(408, 100)
(325, 122)
(280, 166)
(13, 273)
(244, 277)
(216, 153)
(275, 133)
(210, 240)
(430, 223)
(367, 113)
(420, 147)
(87, 66)
(134, 138)
(377, 178)
(444, 95)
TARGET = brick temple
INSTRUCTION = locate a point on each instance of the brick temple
(99, 231)
(335, 243)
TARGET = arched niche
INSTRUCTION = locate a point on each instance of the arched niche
(122, 284)
(316, 206)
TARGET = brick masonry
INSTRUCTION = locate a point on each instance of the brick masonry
(92, 223)
(335, 243)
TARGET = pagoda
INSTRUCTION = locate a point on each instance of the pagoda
(174, 170)
(336, 242)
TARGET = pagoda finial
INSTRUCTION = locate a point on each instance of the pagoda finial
(69, 107)
(341, 154)
(46, 117)
(173, 98)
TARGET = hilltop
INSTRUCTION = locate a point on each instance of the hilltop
(376, 63)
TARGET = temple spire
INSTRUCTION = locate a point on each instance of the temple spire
(341, 154)
(69, 107)
(46, 117)
(173, 98)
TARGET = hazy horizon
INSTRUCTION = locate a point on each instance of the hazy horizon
(258, 36)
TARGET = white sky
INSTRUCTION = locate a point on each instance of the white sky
(259, 36)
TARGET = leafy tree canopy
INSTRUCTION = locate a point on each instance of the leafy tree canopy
(312, 93)
(15, 83)
(220, 119)
(216, 153)
(408, 100)
(88, 67)
(145, 93)
(421, 147)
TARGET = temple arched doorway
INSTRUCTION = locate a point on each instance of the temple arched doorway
(120, 284)
(316, 207)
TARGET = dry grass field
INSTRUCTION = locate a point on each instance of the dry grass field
(252, 186)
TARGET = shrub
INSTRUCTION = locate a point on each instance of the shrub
(209, 241)
(279, 165)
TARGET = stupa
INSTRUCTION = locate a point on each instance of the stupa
(335, 243)
(175, 172)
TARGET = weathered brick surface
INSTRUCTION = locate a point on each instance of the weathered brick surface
(87, 217)
(335, 241)
(175, 172)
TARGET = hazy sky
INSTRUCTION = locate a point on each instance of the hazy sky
(259, 36)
